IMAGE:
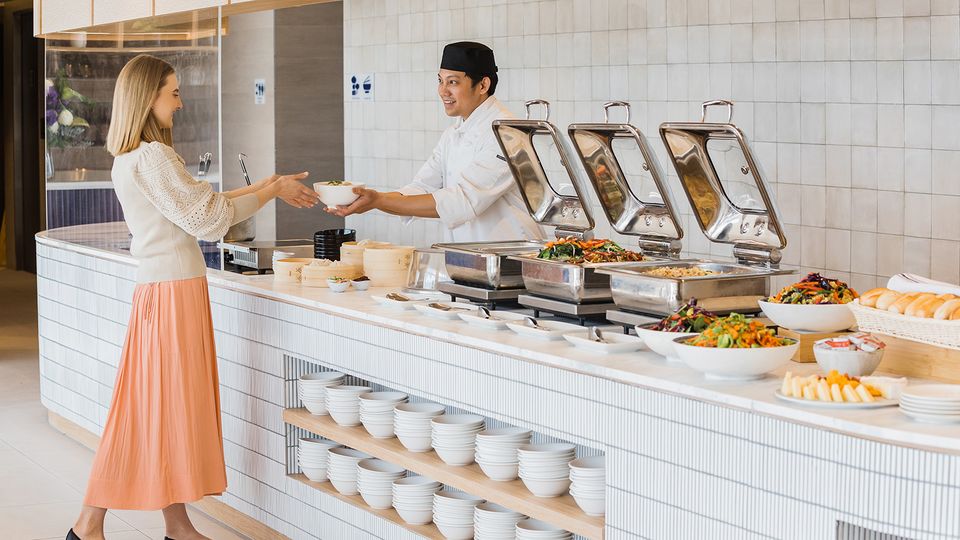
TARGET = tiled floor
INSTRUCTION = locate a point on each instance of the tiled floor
(42, 472)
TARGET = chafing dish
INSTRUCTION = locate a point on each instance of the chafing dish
(486, 264)
(731, 203)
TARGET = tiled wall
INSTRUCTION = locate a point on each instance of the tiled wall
(853, 106)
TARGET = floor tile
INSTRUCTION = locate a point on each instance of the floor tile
(33, 485)
(49, 520)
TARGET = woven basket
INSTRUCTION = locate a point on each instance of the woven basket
(930, 331)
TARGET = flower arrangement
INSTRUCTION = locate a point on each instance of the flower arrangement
(64, 127)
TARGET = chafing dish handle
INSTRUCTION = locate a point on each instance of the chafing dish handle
(546, 107)
(610, 104)
(727, 102)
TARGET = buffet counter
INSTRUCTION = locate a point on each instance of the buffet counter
(686, 457)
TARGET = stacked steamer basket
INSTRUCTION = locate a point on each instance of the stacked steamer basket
(413, 498)
(544, 468)
(387, 266)
(453, 514)
(497, 452)
(326, 243)
(934, 403)
(588, 484)
(454, 437)
(376, 412)
(375, 479)
(342, 469)
(313, 457)
(312, 389)
(412, 424)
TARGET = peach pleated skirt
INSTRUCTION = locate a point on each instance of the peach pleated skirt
(163, 441)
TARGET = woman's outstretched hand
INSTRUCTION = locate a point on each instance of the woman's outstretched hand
(293, 192)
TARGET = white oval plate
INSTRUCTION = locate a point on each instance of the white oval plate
(498, 319)
(878, 404)
(453, 314)
(550, 330)
(615, 343)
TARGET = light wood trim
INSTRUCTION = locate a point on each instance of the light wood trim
(210, 506)
(560, 511)
(429, 530)
(913, 359)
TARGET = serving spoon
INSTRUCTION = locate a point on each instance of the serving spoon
(533, 322)
(484, 312)
(441, 307)
(397, 296)
(596, 335)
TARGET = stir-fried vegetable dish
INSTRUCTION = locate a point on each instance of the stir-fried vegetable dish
(737, 332)
(575, 251)
(689, 318)
(816, 289)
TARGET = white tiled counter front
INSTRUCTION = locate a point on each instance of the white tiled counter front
(686, 457)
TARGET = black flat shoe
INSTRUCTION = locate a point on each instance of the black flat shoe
(72, 535)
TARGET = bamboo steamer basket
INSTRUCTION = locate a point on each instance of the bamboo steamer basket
(351, 253)
(316, 276)
(289, 270)
(387, 266)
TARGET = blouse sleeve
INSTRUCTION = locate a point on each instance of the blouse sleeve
(188, 203)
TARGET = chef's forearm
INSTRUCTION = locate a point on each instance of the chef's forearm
(408, 205)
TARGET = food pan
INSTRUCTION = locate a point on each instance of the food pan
(486, 264)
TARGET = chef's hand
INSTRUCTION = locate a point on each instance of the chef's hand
(366, 201)
(293, 192)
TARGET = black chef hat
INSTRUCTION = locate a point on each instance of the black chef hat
(469, 57)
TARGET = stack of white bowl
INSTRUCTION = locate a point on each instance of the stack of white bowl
(455, 437)
(375, 479)
(497, 451)
(343, 405)
(411, 424)
(588, 484)
(342, 469)
(312, 455)
(453, 514)
(934, 403)
(413, 498)
(312, 389)
(376, 412)
(534, 529)
(544, 468)
(494, 522)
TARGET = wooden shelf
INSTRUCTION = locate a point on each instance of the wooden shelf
(560, 511)
(428, 531)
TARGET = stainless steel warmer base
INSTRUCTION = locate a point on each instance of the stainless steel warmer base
(486, 297)
(581, 312)
(628, 320)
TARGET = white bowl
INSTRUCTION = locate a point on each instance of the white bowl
(345, 487)
(336, 195)
(534, 528)
(855, 363)
(505, 433)
(420, 410)
(546, 488)
(415, 516)
(414, 443)
(501, 472)
(322, 378)
(662, 342)
(456, 457)
(315, 474)
(456, 499)
(378, 501)
(382, 400)
(455, 532)
(613, 342)
(379, 431)
(360, 285)
(591, 506)
(546, 449)
(810, 317)
(338, 286)
(736, 364)
(315, 406)
(344, 418)
(379, 467)
(417, 483)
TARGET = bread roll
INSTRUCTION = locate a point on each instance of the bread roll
(947, 296)
(870, 297)
(900, 306)
(944, 311)
(886, 299)
(913, 306)
(928, 308)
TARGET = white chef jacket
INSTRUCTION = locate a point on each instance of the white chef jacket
(476, 196)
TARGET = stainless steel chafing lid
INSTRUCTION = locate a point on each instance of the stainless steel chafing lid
(653, 220)
(725, 186)
(519, 140)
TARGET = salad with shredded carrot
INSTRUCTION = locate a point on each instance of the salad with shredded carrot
(737, 332)
(576, 251)
(816, 289)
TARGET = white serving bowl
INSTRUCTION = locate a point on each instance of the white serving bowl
(336, 195)
(613, 342)
(315, 474)
(546, 488)
(662, 342)
(505, 433)
(500, 472)
(456, 422)
(415, 515)
(534, 528)
(344, 418)
(419, 410)
(592, 464)
(545, 450)
(810, 317)
(855, 363)
(360, 285)
(456, 457)
(454, 532)
(414, 443)
(379, 430)
(377, 500)
(381, 401)
(736, 364)
(338, 286)
(591, 505)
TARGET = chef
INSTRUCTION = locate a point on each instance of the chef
(465, 182)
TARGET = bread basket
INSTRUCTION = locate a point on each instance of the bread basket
(923, 330)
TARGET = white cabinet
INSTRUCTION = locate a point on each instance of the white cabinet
(173, 6)
(108, 11)
(59, 15)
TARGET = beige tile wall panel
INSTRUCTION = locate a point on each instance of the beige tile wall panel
(59, 15)
(108, 11)
(162, 7)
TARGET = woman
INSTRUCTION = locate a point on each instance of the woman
(162, 444)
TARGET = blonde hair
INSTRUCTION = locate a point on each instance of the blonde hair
(131, 121)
